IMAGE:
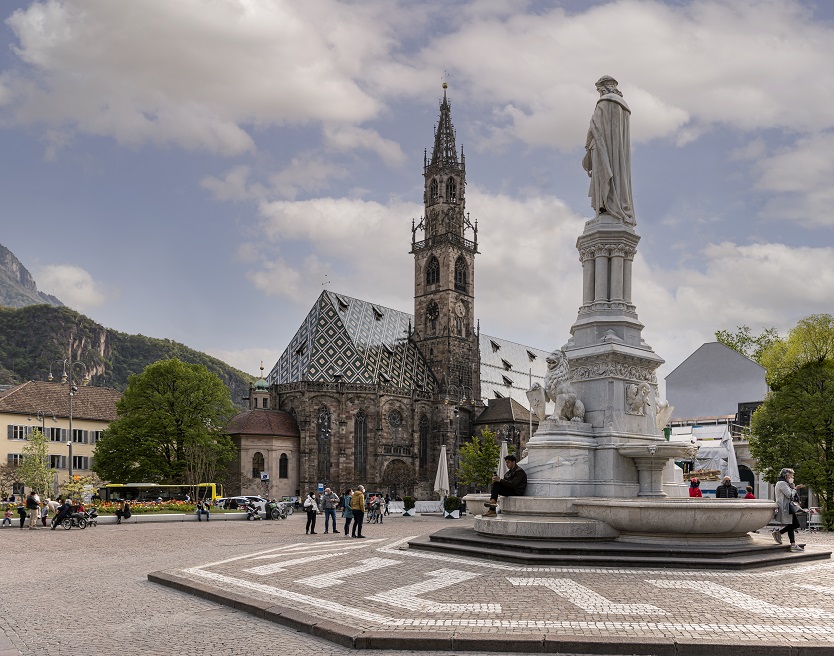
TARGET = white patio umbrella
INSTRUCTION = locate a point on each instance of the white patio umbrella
(441, 481)
(502, 464)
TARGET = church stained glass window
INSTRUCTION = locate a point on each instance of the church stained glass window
(323, 434)
(461, 274)
(360, 445)
(433, 271)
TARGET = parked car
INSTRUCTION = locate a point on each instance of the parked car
(226, 502)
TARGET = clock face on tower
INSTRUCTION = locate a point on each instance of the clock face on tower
(433, 311)
(460, 310)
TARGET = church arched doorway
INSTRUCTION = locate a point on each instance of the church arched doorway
(399, 478)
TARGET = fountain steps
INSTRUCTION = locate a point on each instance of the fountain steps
(611, 553)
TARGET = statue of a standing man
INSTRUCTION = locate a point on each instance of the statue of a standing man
(608, 154)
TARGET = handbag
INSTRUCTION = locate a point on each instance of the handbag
(794, 508)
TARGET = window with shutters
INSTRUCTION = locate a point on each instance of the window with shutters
(80, 462)
(13, 459)
(80, 436)
(57, 434)
(57, 462)
(19, 432)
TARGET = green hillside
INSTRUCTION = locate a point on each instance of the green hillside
(33, 337)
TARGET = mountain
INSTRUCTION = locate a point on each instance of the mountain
(36, 337)
(17, 287)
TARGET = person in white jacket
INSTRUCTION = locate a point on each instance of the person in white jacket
(312, 509)
(787, 502)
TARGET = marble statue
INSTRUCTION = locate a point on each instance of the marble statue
(663, 414)
(608, 154)
(637, 398)
(557, 388)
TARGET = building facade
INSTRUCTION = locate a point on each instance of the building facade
(375, 392)
(46, 406)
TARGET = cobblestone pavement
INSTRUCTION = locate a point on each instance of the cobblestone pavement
(86, 592)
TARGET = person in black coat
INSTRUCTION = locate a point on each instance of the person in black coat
(726, 490)
(513, 484)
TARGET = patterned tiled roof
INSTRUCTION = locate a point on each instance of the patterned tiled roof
(506, 369)
(263, 422)
(95, 403)
(365, 343)
(360, 341)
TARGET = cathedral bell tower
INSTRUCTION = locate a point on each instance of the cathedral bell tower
(444, 268)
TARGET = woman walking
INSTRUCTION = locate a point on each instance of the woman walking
(312, 509)
(348, 514)
(357, 505)
(787, 506)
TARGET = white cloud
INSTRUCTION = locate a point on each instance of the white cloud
(192, 73)
(73, 285)
(351, 139)
(800, 176)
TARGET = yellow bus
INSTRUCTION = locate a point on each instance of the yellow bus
(153, 491)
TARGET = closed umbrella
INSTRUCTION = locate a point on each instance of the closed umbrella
(441, 481)
(502, 464)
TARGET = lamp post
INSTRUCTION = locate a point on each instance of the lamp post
(458, 395)
(66, 375)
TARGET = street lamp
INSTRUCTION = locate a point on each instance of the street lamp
(66, 374)
(41, 417)
(458, 395)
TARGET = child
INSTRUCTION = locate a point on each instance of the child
(7, 516)
(749, 494)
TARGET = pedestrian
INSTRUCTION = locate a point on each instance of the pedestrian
(7, 516)
(312, 509)
(348, 512)
(329, 501)
(695, 489)
(787, 507)
(726, 490)
(749, 494)
(387, 501)
(21, 513)
(63, 512)
(202, 509)
(513, 484)
(123, 512)
(45, 512)
(33, 505)
(357, 505)
(379, 508)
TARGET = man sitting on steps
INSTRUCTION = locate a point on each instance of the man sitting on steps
(512, 485)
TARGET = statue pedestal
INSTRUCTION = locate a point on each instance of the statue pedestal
(560, 460)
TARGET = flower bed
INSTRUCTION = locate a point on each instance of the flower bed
(151, 507)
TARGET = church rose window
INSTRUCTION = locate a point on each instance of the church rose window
(360, 445)
(283, 466)
(258, 465)
(461, 274)
(323, 438)
(433, 272)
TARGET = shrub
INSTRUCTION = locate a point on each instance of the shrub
(452, 504)
(409, 503)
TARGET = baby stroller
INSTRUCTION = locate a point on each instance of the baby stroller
(252, 513)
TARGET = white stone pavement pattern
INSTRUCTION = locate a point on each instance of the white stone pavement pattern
(86, 592)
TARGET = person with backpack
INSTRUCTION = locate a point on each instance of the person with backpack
(312, 509)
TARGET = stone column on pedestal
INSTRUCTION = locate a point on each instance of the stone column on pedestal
(617, 272)
(600, 275)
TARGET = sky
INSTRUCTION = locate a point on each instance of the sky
(201, 170)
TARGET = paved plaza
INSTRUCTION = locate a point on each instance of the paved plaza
(87, 592)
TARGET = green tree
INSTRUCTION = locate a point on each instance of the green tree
(479, 459)
(34, 468)
(170, 427)
(795, 428)
(811, 340)
(80, 486)
(746, 343)
(9, 475)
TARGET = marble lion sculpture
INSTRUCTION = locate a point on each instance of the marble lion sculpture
(557, 388)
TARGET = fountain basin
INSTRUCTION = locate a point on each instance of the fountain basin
(679, 520)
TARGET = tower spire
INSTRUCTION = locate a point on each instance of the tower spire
(444, 153)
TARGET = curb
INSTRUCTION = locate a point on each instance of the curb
(423, 640)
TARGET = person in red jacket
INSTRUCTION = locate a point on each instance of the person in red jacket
(749, 494)
(695, 488)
